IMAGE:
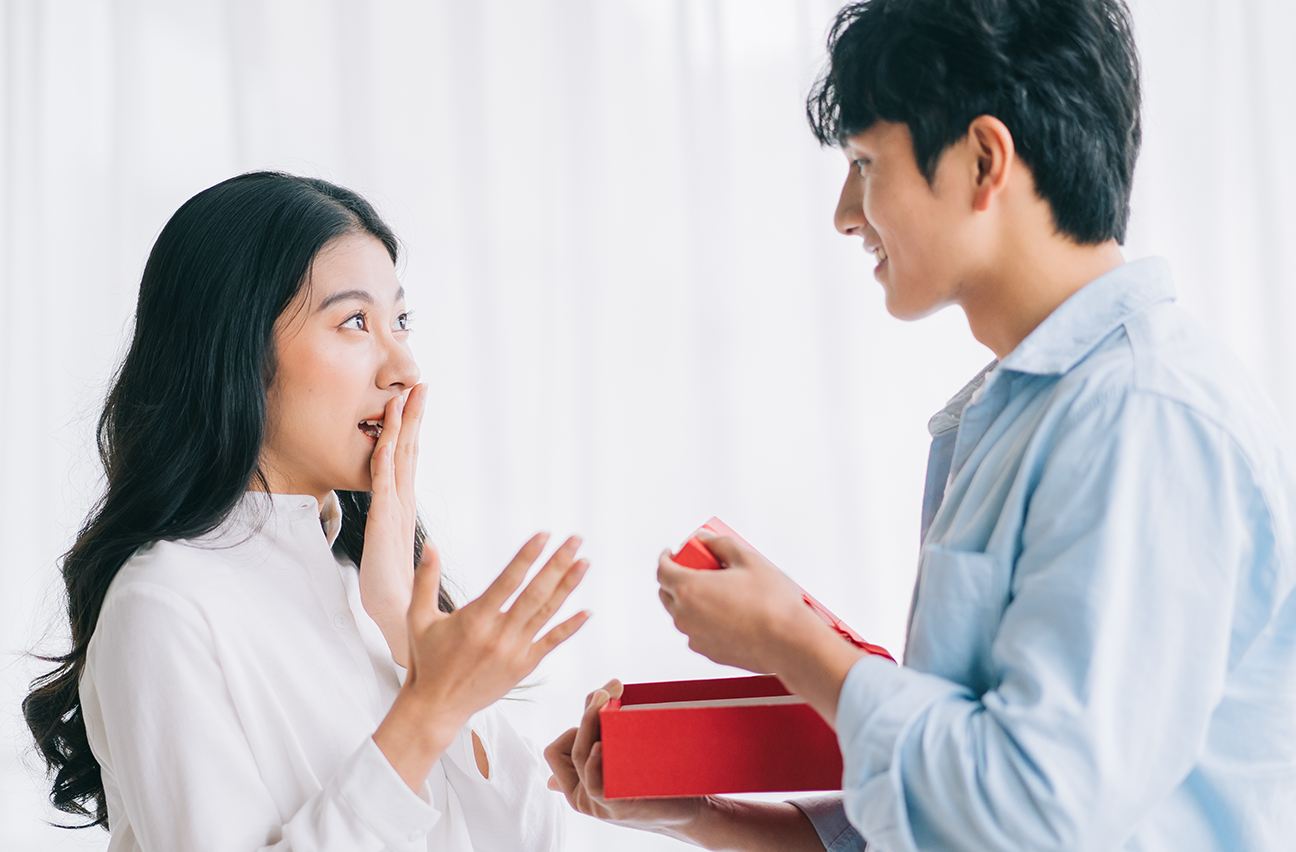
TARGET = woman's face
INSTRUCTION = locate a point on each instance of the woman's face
(342, 351)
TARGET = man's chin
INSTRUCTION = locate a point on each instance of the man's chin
(905, 311)
(909, 309)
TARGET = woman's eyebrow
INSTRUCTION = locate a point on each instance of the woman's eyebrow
(358, 295)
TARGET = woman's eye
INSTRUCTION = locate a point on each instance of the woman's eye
(862, 165)
(356, 321)
(403, 322)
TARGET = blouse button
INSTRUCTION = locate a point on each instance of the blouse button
(339, 620)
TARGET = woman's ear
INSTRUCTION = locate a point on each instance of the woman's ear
(992, 144)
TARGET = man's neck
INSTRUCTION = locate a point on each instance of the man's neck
(1029, 283)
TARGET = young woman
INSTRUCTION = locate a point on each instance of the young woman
(256, 661)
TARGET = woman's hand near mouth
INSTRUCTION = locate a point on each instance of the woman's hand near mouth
(387, 566)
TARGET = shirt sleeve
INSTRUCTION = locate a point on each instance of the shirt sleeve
(1105, 664)
(828, 816)
(165, 723)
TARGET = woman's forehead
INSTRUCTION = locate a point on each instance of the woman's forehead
(354, 267)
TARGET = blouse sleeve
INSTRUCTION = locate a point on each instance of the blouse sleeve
(179, 767)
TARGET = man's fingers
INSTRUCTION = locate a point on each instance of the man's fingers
(726, 549)
(670, 573)
(511, 577)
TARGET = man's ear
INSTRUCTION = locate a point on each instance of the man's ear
(992, 145)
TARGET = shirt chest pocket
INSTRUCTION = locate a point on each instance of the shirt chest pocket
(960, 601)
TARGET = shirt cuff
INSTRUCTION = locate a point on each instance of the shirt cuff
(879, 704)
(383, 802)
(828, 816)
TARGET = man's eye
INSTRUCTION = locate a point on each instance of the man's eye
(862, 165)
(356, 321)
(404, 321)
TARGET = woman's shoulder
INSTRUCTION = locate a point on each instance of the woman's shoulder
(196, 570)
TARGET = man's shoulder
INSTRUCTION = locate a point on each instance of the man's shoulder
(1164, 354)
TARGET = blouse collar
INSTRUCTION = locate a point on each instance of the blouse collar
(256, 507)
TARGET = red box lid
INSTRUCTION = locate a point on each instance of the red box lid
(694, 554)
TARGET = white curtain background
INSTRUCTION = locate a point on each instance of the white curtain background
(633, 311)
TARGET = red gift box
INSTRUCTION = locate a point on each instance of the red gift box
(699, 737)
(694, 554)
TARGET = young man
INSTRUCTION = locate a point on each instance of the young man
(1102, 644)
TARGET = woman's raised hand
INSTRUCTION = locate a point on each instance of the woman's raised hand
(387, 566)
(464, 661)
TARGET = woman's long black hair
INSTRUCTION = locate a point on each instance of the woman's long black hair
(181, 431)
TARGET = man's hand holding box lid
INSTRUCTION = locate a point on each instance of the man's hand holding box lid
(695, 554)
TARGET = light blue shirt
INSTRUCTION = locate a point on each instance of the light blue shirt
(1102, 644)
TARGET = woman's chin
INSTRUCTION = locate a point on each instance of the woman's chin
(359, 481)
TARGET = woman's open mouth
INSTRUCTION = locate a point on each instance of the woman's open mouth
(372, 428)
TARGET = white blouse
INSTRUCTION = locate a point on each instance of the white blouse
(231, 690)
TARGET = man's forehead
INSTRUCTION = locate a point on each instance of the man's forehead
(879, 136)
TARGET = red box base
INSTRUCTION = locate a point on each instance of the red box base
(672, 750)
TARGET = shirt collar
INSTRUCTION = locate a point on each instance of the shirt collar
(331, 517)
(1091, 313)
(256, 508)
(948, 417)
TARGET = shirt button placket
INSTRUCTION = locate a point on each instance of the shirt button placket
(339, 620)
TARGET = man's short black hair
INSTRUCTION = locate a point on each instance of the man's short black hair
(1062, 75)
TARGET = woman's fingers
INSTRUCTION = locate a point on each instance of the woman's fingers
(594, 771)
(427, 583)
(539, 615)
(382, 464)
(558, 756)
(589, 732)
(511, 577)
(558, 635)
(541, 588)
(391, 427)
(407, 440)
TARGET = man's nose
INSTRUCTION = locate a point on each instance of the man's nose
(849, 217)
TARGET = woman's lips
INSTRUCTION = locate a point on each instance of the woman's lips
(371, 428)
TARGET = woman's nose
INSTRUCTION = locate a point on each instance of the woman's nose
(399, 367)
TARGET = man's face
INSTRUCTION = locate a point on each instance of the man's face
(918, 232)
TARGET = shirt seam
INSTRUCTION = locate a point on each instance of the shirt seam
(1131, 389)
